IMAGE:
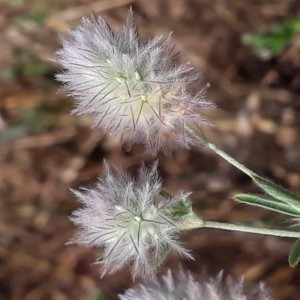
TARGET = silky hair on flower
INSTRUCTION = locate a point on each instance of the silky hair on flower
(130, 220)
(183, 286)
(133, 89)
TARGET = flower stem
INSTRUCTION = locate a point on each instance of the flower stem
(220, 152)
(242, 228)
(249, 229)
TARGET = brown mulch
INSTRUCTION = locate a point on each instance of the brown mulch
(44, 151)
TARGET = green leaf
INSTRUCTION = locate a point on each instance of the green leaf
(277, 192)
(181, 209)
(294, 256)
(269, 203)
(273, 41)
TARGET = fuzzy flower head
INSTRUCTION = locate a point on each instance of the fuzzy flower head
(133, 89)
(130, 220)
(183, 286)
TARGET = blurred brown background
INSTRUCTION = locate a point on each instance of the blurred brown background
(44, 151)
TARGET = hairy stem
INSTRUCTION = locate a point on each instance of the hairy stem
(241, 228)
(220, 152)
(250, 229)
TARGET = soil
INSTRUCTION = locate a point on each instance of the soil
(45, 151)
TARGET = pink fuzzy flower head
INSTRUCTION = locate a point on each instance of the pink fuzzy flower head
(130, 220)
(133, 89)
(182, 286)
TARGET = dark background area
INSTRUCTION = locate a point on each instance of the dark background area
(44, 151)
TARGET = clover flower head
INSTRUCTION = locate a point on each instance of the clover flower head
(133, 89)
(129, 219)
(183, 286)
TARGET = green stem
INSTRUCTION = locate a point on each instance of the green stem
(249, 229)
(220, 152)
(242, 228)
